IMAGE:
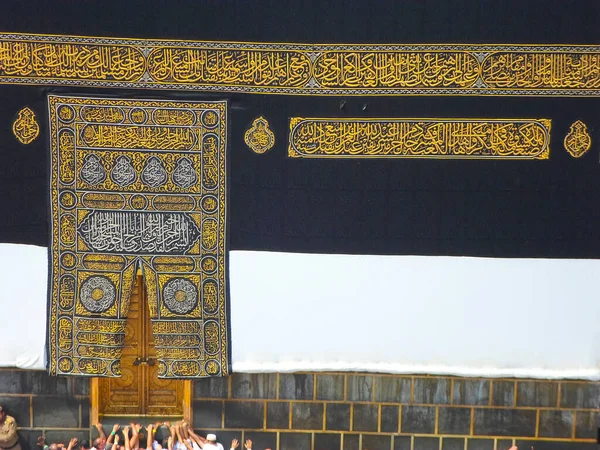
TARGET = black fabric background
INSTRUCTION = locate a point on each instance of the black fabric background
(480, 208)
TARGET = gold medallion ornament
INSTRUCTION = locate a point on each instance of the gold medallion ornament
(259, 136)
(25, 127)
(138, 183)
(419, 138)
(578, 141)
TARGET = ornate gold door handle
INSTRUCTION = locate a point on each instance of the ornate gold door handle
(144, 361)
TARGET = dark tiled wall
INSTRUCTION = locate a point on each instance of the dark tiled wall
(342, 411)
(59, 408)
(362, 411)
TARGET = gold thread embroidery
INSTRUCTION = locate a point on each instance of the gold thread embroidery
(259, 137)
(419, 138)
(578, 141)
(123, 195)
(25, 127)
(300, 69)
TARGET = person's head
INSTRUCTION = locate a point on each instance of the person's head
(99, 443)
(142, 439)
(211, 438)
(85, 445)
(53, 447)
(2, 414)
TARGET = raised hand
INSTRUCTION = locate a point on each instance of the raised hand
(116, 427)
(235, 444)
(248, 444)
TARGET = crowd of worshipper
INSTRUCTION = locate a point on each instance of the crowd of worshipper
(156, 436)
(177, 436)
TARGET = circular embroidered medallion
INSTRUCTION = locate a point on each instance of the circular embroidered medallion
(98, 294)
(180, 295)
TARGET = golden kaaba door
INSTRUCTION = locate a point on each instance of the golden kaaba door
(139, 391)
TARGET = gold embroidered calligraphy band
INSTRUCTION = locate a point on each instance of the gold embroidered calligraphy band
(419, 138)
(301, 69)
(138, 183)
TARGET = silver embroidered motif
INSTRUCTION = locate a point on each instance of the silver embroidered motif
(98, 294)
(184, 174)
(123, 172)
(180, 296)
(92, 171)
(154, 173)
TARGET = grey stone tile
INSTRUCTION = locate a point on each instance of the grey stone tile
(208, 414)
(392, 389)
(586, 425)
(454, 421)
(338, 416)
(365, 417)
(260, 440)
(294, 386)
(402, 443)
(505, 422)
(295, 441)
(453, 443)
(376, 441)
(360, 388)
(426, 443)
(212, 387)
(389, 419)
(537, 393)
(580, 395)
(432, 390)
(471, 392)
(556, 424)
(254, 385)
(278, 415)
(55, 412)
(418, 419)
(503, 393)
(330, 387)
(307, 416)
(351, 442)
(327, 441)
(483, 444)
(244, 414)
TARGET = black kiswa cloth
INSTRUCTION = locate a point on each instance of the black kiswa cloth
(495, 208)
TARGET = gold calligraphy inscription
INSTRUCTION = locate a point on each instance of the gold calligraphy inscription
(301, 69)
(25, 127)
(61, 61)
(377, 70)
(578, 141)
(259, 136)
(419, 138)
(136, 137)
(558, 70)
(137, 182)
(229, 67)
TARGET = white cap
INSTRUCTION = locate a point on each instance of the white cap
(211, 437)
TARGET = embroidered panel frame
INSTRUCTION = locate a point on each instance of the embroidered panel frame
(138, 183)
(419, 138)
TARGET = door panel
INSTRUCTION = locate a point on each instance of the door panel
(139, 391)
